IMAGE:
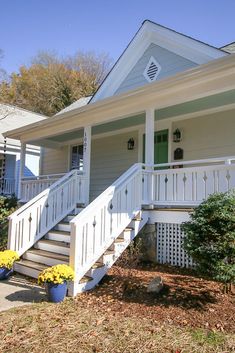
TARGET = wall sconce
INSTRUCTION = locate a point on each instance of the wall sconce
(177, 135)
(130, 144)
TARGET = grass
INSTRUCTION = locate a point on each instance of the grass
(71, 327)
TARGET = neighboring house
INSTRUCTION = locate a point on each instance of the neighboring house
(12, 117)
(154, 141)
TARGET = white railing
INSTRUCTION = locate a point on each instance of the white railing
(7, 186)
(32, 186)
(95, 228)
(33, 220)
(190, 185)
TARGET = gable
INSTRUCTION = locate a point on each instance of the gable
(169, 64)
(187, 51)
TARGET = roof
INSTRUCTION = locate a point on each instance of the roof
(151, 32)
(229, 48)
(159, 93)
(12, 117)
(79, 103)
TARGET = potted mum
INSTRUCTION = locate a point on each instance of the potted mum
(55, 279)
(7, 259)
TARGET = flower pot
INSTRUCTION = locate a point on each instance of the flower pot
(56, 292)
(5, 272)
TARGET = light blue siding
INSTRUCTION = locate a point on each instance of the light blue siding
(10, 166)
(170, 63)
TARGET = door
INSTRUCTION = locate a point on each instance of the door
(160, 147)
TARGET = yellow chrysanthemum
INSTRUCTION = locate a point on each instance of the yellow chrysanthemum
(56, 274)
(7, 258)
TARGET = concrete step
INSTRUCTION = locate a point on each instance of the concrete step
(29, 268)
(58, 235)
(45, 257)
(54, 246)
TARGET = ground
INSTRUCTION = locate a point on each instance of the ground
(191, 315)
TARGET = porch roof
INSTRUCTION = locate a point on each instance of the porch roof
(216, 77)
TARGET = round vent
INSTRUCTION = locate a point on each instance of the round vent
(152, 70)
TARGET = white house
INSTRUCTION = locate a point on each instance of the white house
(10, 149)
(154, 141)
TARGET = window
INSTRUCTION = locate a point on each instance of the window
(77, 157)
(152, 70)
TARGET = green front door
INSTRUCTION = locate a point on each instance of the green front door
(160, 147)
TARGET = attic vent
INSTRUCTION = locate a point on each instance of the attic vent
(152, 70)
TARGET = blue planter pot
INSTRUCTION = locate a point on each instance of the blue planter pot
(56, 292)
(5, 272)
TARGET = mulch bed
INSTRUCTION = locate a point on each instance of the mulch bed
(186, 300)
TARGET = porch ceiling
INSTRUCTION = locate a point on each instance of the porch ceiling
(198, 105)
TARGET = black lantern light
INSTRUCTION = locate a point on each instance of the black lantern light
(130, 144)
(177, 135)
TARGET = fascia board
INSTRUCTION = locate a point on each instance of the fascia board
(122, 68)
(189, 48)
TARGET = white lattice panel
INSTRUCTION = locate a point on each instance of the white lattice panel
(170, 245)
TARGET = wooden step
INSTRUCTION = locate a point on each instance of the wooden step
(58, 235)
(97, 265)
(85, 279)
(29, 268)
(119, 240)
(45, 257)
(54, 246)
(128, 229)
(137, 219)
(63, 226)
(109, 252)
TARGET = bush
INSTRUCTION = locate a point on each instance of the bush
(210, 237)
(7, 206)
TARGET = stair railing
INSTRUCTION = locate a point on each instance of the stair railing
(33, 220)
(95, 228)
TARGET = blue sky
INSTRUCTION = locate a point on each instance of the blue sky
(65, 26)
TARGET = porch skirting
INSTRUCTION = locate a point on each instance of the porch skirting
(162, 242)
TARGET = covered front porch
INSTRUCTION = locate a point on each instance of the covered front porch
(175, 172)
(173, 126)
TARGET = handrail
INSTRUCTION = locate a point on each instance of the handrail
(226, 160)
(43, 176)
(43, 193)
(33, 220)
(95, 228)
(106, 192)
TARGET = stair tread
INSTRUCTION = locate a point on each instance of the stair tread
(128, 229)
(63, 232)
(49, 254)
(64, 223)
(85, 279)
(54, 242)
(109, 252)
(31, 264)
(119, 240)
(97, 265)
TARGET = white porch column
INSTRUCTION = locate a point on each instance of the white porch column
(87, 161)
(149, 151)
(21, 168)
(149, 137)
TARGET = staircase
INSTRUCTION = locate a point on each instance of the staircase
(54, 248)
(53, 228)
